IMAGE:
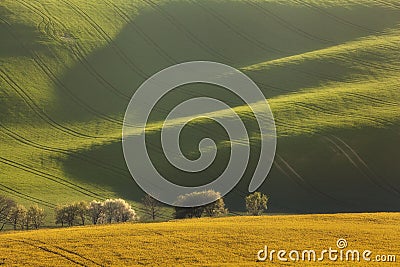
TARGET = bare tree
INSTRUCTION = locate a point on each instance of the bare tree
(26, 222)
(36, 216)
(95, 210)
(152, 207)
(17, 216)
(72, 214)
(6, 204)
(65, 214)
(82, 211)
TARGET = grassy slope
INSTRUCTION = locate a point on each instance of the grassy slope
(203, 242)
(69, 68)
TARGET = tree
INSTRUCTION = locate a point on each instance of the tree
(26, 222)
(67, 214)
(36, 216)
(95, 211)
(152, 207)
(215, 208)
(61, 215)
(6, 204)
(71, 214)
(82, 211)
(256, 203)
(108, 211)
(117, 210)
(71, 211)
(17, 216)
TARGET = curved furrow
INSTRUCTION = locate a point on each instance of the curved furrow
(67, 152)
(386, 4)
(366, 166)
(89, 67)
(108, 39)
(378, 183)
(47, 71)
(16, 193)
(51, 251)
(310, 187)
(38, 111)
(131, 23)
(50, 177)
(66, 250)
(373, 99)
(315, 108)
(337, 18)
(77, 50)
(178, 25)
(294, 28)
(285, 24)
(243, 35)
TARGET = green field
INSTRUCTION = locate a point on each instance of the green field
(329, 69)
(232, 241)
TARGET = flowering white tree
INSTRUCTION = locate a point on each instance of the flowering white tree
(117, 210)
(215, 208)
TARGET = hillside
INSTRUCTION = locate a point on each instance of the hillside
(329, 70)
(205, 242)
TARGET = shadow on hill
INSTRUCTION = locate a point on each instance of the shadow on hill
(337, 172)
(12, 33)
(17, 41)
(311, 174)
(233, 32)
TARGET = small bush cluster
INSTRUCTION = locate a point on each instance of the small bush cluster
(106, 212)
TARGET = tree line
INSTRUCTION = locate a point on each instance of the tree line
(106, 212)
(19, 216)
(119, 211)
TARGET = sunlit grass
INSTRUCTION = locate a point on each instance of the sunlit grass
(45, 34)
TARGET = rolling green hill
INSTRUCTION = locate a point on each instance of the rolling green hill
(329, 70)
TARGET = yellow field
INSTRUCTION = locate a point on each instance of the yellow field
(205, 242)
